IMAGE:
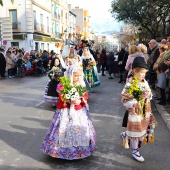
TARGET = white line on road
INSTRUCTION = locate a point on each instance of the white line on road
(39, 103)
(22, 98)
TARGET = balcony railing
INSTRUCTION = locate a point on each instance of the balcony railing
(42, 28)
(16, 25)
(57, 35)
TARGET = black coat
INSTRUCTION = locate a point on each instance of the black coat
(110, 59)
(2, 61)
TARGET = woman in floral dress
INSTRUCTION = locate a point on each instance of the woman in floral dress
(71, 134)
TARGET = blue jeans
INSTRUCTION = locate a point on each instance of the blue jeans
(10, 72)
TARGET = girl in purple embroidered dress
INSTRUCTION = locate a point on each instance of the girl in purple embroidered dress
(71, 134)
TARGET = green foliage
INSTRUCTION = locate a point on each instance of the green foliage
(152, 15)
(1, 2)
(66, 83)
(69, 91)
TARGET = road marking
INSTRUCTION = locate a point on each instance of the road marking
(23, 98)
(39, 103)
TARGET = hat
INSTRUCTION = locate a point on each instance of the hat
(140, 63)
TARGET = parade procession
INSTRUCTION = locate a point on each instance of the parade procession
(84, 84)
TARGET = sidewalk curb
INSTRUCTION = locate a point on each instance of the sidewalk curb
(163, 112)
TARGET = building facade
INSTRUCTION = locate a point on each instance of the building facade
(36, 25)
(82, 21)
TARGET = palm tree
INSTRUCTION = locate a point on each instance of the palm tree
(1, 2)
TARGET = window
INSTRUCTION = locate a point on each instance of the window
(48, 47)
(41, 18)
(48, 24)
(36, 46)
(15, 45)
(35, 21)
(42, 46)
(13, 16)
(41, 23)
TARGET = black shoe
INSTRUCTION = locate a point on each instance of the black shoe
(120, 82)
(162, 103)
(103, 75)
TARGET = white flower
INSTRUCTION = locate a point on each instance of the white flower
(71, 92)
(127, 85)
(77, 95)
(68, 96)
(73, 97)
(73, 89)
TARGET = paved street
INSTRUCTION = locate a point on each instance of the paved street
(25, 118)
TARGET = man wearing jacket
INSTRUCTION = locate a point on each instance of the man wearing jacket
(2, 62)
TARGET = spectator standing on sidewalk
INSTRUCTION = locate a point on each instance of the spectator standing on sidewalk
(44, 57)
(154, 54)
(134, 52)
(2, 62)
(20, 66)
(122, 59)
(9, 64)
(167, 62)
(110, 64)
(161, 84)
(162, 49)
(103, 61)
(143, 48)
(14, 61)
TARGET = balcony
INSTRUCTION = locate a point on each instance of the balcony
(16, 26)
(41, 28)
(57, 35)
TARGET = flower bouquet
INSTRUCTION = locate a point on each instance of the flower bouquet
(55, 73)
(92, 63)
(70, 92)
(138, 90)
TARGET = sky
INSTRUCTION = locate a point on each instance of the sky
(101, 18)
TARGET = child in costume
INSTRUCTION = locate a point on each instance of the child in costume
(136, 97)
(71, 134)
(55, 73)
(78, 62)
(89, 68)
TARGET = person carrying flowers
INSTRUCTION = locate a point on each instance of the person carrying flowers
(51, 95)
(71, 134)
(136, 97)
(89, 68)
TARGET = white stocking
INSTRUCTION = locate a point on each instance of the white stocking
(134, 143)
